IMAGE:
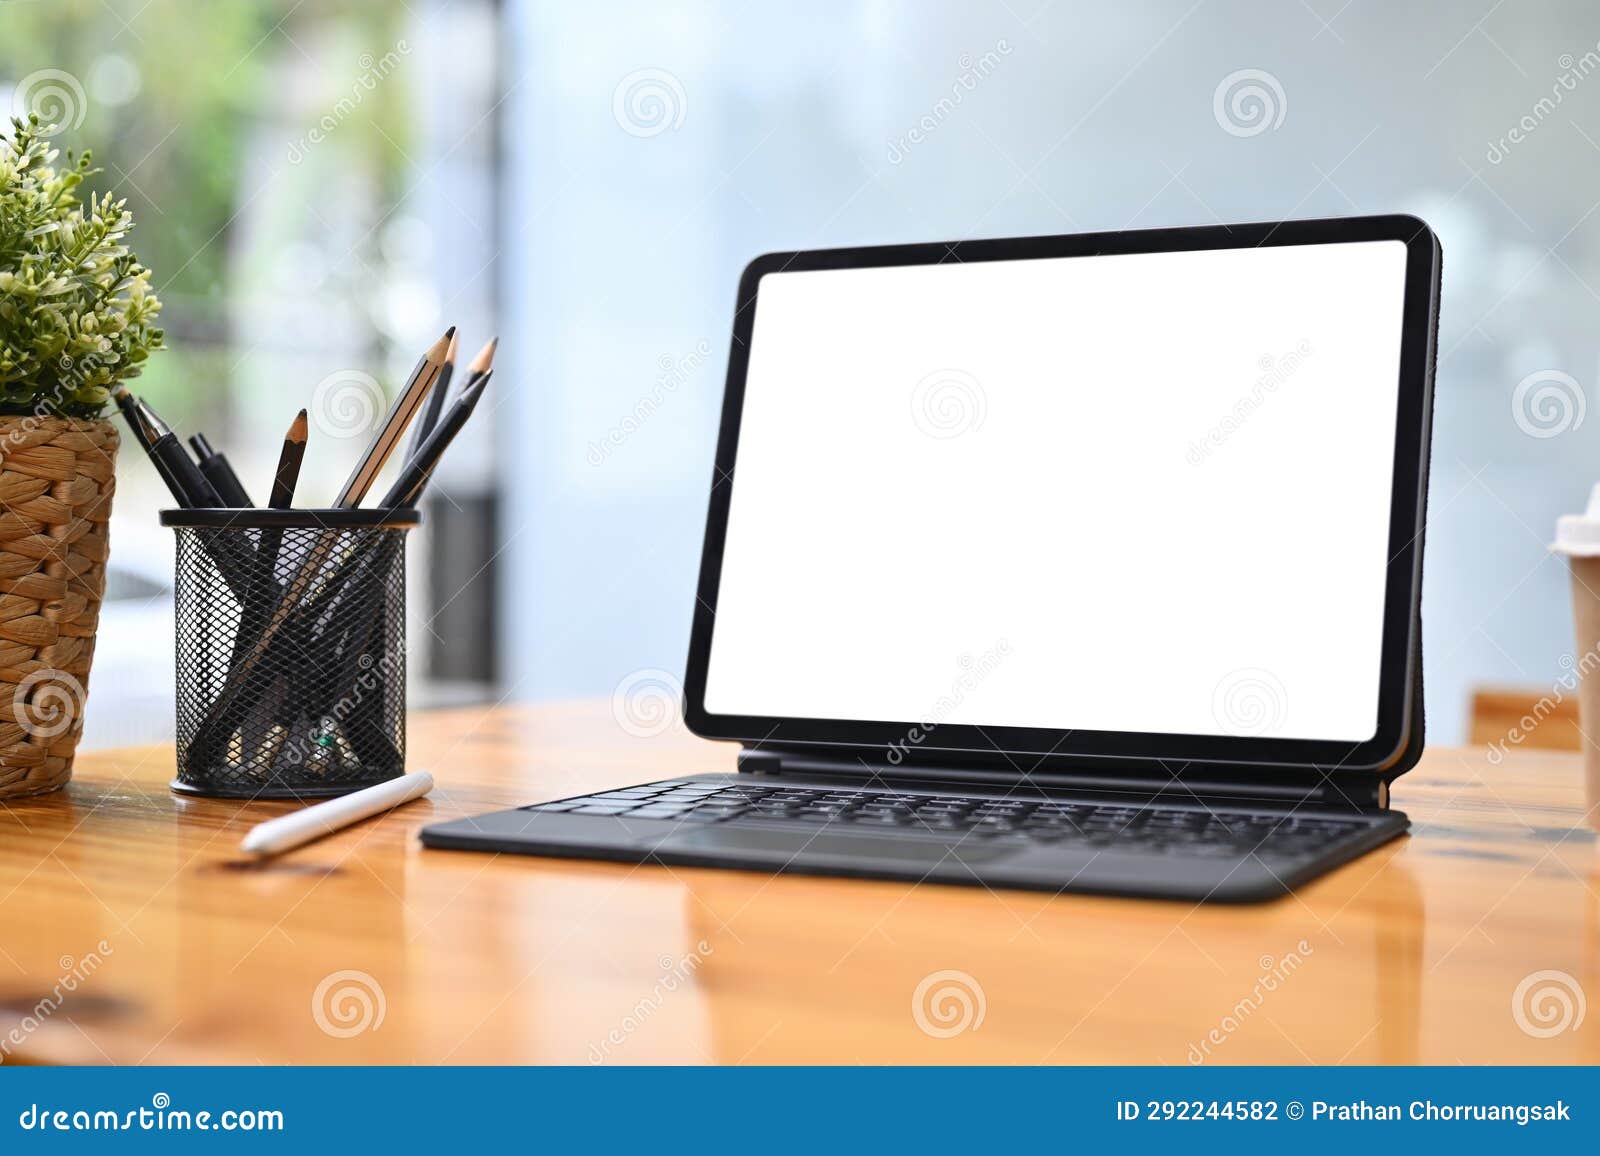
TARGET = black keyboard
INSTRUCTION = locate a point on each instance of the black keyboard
(1178, 830)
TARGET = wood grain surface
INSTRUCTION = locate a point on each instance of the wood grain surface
(131, 932)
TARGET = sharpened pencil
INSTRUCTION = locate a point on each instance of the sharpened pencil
(400, 416)
(413, 479)
(435, 406)
(484, 361)
(288, 471)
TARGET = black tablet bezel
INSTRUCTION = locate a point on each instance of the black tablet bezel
(999, 746)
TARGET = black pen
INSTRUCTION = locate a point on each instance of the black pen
(186, 479)
(167, 455)
(130, 412)
(145, 435)
(219, 472)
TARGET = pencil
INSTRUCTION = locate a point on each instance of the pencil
(430, 412)
(481, 364)
(288, 471)
(477, 370)
(259, 639)
(264, 576)
(394, 425)
(413, 479)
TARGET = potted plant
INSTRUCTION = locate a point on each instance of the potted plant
(76, 316)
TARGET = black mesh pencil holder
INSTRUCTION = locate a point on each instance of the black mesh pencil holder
(291, 650)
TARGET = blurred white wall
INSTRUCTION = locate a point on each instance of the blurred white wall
(651, 150)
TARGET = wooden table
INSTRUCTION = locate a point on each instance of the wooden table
(180, 954)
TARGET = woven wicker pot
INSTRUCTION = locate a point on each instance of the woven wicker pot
(56, 480)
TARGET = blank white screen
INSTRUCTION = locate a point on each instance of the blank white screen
(1142, 493)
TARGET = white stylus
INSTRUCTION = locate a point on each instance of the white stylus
(301, 827)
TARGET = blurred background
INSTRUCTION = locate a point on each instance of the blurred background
(321, 188)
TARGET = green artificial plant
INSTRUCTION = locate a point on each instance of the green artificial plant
(76, 307)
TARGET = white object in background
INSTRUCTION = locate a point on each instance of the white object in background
(283, 834)
(1578, 537)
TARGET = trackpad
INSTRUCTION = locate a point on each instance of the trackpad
(821, 845)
